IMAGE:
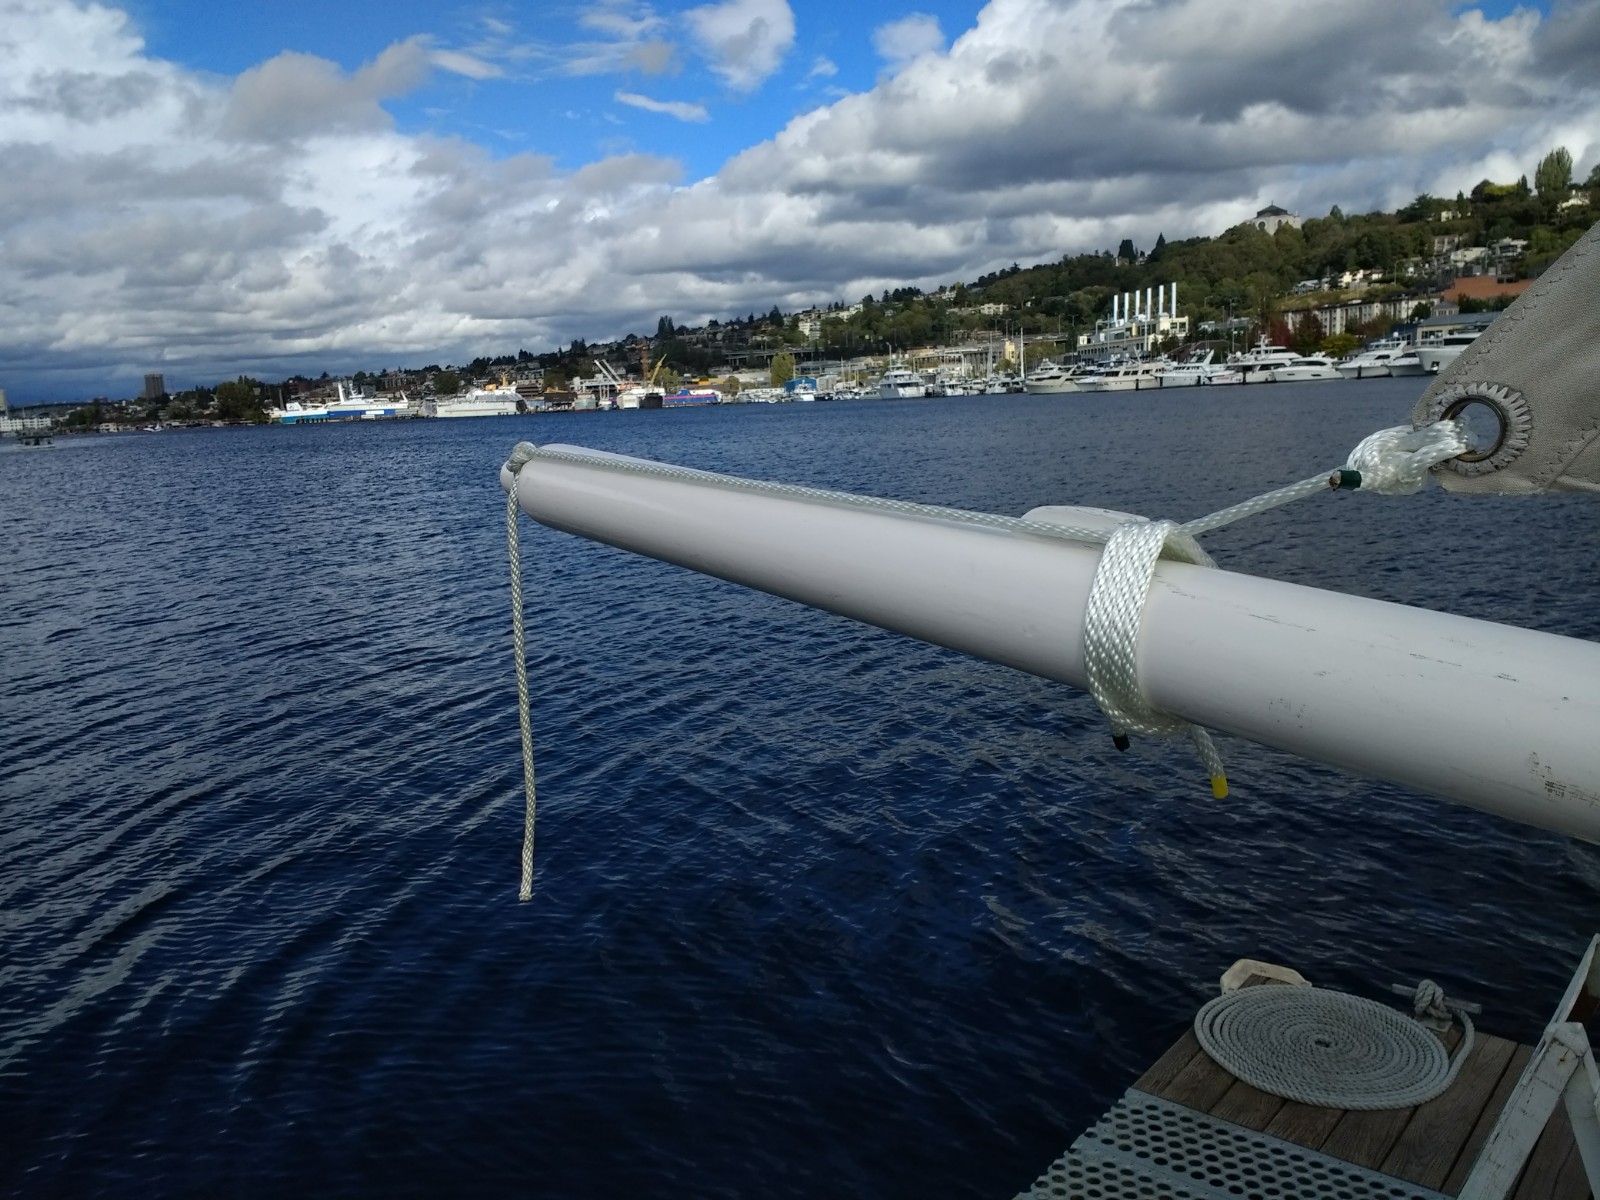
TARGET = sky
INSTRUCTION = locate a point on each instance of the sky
(272, 189)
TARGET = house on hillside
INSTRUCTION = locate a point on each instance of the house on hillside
(1271, 218)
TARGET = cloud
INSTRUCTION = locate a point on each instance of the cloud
(672, 108)
(822, 68)
(153, 218)
(900, 42)
(297, 95)
(461, 63)
(743, 41)
(632, 38)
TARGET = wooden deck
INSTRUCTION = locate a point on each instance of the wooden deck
(1434, 1144)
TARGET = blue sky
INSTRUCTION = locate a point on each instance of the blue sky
(537, 106)
(279, 188)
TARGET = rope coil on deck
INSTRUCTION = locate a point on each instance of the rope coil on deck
(1328, 1048)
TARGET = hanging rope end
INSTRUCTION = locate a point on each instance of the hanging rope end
(1219, 787)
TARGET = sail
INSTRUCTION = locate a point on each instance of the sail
(1531, 381)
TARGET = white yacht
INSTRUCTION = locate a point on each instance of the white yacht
(898, 382)
(1131, 377)
(1256, 364)
(1372, 361)
(1407, 364)
(1198, 372)
(1050, 379)
(1441, 352)
(1304, 370)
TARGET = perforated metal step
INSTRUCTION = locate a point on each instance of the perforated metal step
(1151, 1149)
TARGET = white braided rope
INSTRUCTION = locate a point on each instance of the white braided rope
(519, 646)
(1327, 1048)
(1111, 636)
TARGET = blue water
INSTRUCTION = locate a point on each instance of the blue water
(820, 911)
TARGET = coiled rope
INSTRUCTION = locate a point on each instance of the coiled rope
(1391, 462)
(1331, 1049)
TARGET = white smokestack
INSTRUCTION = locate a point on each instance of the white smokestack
(1174, 300)
(1149, 300)
(1113, 309)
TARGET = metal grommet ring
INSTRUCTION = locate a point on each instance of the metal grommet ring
(1511, 411)
(1468, 402)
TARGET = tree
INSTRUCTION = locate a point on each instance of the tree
(447, 383)
(1308, 334)
(730, 386)
(239, 400)
(782, 369)
(1126, 252)
(1553, 176)
(1339, 344)
(665, 328)
(1161, 244)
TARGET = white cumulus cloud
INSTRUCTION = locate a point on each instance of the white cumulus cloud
(744, 41)
(154, 218)
(901, 42)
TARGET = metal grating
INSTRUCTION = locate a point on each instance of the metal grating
(1147, 1148)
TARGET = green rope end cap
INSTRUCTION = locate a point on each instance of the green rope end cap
(1345, 480)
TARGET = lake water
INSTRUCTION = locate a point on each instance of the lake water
(819, 911)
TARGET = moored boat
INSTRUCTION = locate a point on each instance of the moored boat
(1256, 364)
(1306, 370)
(1132, 377)
(899, 382)
(1372, 360)
(1441, 352)
(1050, 379)
(480, 402)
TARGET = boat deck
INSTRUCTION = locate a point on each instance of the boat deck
(1432, 1146)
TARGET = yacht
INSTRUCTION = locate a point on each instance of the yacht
(1132, 377)
(1407, 364)
(899, 382)
(1441, 352)
(1304, 370)
(1256, 364)
(1050, 379)
(1198, 372)
(1372, 362)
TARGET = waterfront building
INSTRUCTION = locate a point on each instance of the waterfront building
(1352, 314)
(1139, 322)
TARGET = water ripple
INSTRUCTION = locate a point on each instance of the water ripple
(820, 910)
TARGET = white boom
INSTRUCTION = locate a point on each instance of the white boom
(1500, 718)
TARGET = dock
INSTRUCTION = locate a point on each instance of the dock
(1189, 1130)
